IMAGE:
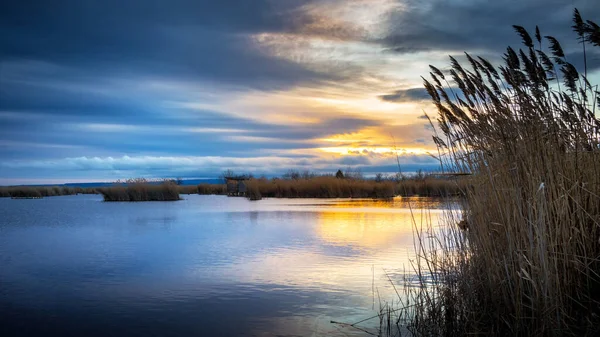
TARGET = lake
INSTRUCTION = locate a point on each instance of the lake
(202, 266)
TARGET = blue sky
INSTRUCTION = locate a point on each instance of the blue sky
(102, 90)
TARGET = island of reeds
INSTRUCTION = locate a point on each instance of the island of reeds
(526, 260)
(141, 190)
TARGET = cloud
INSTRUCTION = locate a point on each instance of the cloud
(407, 96)
(476, 25)
(112, 168)
(355, 160)
(189, 39)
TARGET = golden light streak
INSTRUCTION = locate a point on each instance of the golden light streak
(379, 141)
(384, 151)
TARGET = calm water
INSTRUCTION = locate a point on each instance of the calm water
(204, 266)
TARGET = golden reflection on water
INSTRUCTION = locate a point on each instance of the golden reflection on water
(361, 243)
(363, 229)
(375, 223)
(355, 241)
(391, 203)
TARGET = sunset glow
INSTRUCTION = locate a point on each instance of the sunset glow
(318, 85)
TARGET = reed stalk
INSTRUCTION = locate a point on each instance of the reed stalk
(527, 262)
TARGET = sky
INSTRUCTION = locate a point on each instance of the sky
(106, 90)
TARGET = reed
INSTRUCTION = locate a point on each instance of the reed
(219, 189)
(320, 187)
(187, 189)
(332, 187)
(42, 191)
(528, 259)
(141, 190)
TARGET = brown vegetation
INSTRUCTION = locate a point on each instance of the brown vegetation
(42, 191)
(219, 189)
(332, 187)
(187, 189)
(141, 190)
(529, 261)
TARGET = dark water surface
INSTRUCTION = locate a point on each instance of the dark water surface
(203, 266)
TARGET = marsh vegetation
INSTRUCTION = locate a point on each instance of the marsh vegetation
(290, 185)
(528, 259)
(142, 190)
(42, 191)
(332, 187)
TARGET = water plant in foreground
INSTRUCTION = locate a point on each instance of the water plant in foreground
(528, 261)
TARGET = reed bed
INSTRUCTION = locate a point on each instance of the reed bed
(320, 187)
(141, 190)
(205, 189)
(332, 187)
(187, 189)
(431, 186)
(307, 186)
(527, 262)
(42, 191)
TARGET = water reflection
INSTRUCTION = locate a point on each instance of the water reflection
(204, 266)
(370, 230)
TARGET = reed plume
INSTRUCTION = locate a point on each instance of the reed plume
(527, 260)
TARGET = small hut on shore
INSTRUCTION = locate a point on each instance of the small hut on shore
(236, 186)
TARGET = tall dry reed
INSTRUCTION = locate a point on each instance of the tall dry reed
(529, 261)
(42, 191)
(332, 187)
(218, 189)
(141, 190)
(320, 187)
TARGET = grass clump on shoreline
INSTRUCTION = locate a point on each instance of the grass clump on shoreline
(142, 190)
(528, 263)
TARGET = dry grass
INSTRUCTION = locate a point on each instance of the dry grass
(320, 187)
(332, 187)
(142, 190)
(219, 189)
(187, 189)
(529, 262)
(42, 191)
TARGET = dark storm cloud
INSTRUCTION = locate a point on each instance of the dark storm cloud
(195, 39)
(479, 25)
(406, 95)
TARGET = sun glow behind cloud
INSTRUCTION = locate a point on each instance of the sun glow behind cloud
(380, 151)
